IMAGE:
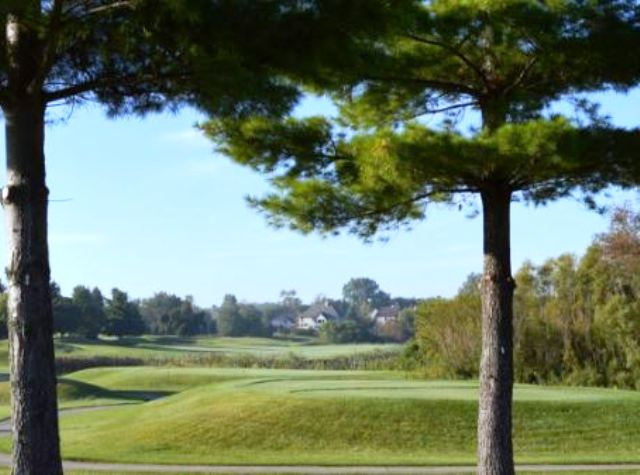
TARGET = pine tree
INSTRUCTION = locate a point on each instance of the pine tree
(378, 165)
(132, 56)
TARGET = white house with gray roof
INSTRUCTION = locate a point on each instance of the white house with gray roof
(316, 315)
(385, 316)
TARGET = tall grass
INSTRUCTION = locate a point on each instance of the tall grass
(376, 360)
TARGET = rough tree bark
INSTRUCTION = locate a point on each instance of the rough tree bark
(495, 449)
(33, 382)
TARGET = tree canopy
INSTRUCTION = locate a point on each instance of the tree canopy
(379, 163)
(576, 317)
(364, 292)
(132, 56)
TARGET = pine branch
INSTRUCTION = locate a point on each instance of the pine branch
(453, 50)
(54, 31)
(414, 199)
(522, 75)
(427, 111)
(448, 86)
(131, 81)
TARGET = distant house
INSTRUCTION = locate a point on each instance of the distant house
(385, 316)
(316, 315)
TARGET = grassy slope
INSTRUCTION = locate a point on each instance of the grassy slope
(163, 347)
(155, 346)
(286, 416)
(77, 393)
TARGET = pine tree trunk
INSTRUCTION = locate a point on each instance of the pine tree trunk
(33, 381)
(34, 411)
(495, 448)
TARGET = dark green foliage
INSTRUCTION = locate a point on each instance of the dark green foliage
(226, 315)
(122, 316)
(234, 319)
(326, 181)
(576, 321)
(354, 330)
(250, 322)
(66, 315)
(136, 57)
(376, 166)
(405, 328)
(90, 304)
(448, 332)
(166, 314)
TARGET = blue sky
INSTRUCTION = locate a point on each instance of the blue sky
(148, 206)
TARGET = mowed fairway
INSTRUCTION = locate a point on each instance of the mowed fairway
(234, 416)
(149, 348)
(157, 346)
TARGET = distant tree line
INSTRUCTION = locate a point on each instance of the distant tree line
(87, 313)
(241, 319)
(577, 320)
(167, 314)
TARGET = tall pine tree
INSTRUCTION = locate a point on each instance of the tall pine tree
(132, 56)
(378, 165)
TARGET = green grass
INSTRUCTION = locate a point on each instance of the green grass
(76, 393)
(340, 417)
(4, 471)
(159, 346)
(247, 416)
(210, 351)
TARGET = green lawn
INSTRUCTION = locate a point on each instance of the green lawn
(4, 471)
(339, 417)
(158, 348)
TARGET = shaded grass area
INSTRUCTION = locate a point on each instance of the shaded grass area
(73, 392)
(76, 393)
(341, 417)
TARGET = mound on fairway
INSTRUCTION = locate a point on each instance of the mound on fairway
(74, 393)
(289, 417)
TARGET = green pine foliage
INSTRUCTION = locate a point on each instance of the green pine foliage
(377, 164)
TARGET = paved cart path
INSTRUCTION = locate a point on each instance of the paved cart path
(5, 460)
